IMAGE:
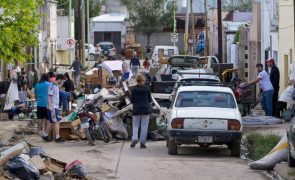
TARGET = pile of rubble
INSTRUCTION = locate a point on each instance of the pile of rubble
(26, 162)
(116, 110)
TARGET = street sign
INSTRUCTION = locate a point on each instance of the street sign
(174, 37)
(70, 42)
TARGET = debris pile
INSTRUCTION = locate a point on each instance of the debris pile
(24, 162)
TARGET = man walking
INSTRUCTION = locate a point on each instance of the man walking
(267, 89)
(275, 81)
(77, 70)
(53, 105)
(134, 64)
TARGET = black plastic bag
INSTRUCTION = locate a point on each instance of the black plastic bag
(22, 169)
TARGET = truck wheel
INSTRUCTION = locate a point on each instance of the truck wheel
(236, 148)
(172, 148)
(291, 160)
(88, 136)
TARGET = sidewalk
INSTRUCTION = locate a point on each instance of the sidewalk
(8, 128)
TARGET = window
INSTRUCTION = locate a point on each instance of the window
(246, 56)
(246, 74)
(246, 65)
(246, 47)
(205, 99)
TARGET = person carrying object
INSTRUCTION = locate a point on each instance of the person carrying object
(267, 89)
(141, 99)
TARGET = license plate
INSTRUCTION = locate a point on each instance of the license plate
(205, 139)
(85, 125)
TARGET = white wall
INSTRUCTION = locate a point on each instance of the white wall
(108, 27)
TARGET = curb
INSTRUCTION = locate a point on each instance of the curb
(284, 172)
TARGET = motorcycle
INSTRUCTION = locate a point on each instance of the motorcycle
(92, 121)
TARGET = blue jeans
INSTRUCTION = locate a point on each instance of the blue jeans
(64, 99)
(266, 102)
(141, 121)
(126, 76)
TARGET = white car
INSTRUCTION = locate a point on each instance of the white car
(91, 51)
(108, 49)
(204, 115)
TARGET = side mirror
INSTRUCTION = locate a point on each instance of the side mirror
(96, 90)
(171, 97)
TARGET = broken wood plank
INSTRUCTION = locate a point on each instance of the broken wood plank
(38, 163)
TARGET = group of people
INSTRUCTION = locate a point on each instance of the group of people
(269, 87)
(49, 96)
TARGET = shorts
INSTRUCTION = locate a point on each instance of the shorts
(53, 116)
(42, 113)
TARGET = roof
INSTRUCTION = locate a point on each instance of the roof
(238, 16)
(113, 17)
(201, 76)
(205, 88)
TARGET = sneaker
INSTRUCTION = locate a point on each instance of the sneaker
(133, 144)
(59, 140)
(142, 146)
(46, 138)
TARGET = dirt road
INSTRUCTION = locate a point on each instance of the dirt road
(117, 160)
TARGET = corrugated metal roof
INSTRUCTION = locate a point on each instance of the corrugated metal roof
(110, 18)
(242, 16)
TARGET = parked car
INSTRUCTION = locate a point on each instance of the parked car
(91, 51)
(205, 116)
(108, 49)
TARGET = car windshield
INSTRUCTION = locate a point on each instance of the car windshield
(106, 46)
(205, 99)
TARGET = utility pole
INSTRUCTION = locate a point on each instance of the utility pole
(82, 44)
(174, 20)
(220, 53)
(206, 31)
(88, 42)
(192, 27)
(186, 26)
(70, 31)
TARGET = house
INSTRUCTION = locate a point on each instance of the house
(286, 41)
(109, 27)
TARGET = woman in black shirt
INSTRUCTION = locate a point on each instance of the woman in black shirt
(141, 99)
(68, 84)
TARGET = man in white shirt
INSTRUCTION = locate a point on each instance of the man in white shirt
(267, 89)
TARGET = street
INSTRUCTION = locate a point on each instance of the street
(116, 160)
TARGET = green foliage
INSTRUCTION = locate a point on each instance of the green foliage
(237, 37)
(94, 6)
(260, 145)
(18, 28)
(149, 16)
(237, 5)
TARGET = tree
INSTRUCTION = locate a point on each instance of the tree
(149, 16)
(237, 5)
(18, 28)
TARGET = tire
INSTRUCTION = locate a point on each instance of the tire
(235, 148)
(92, 57)
(88, 136)
(104, 132)
(172, 147)
(291, 160)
